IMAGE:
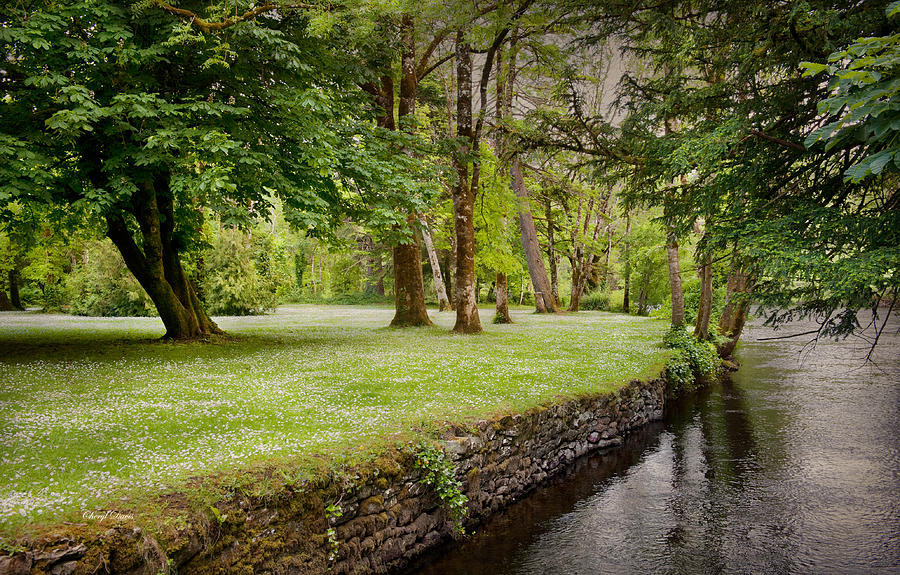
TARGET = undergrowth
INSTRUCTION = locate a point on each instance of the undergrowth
(693, 360)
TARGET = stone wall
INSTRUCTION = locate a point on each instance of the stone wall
(388, 516)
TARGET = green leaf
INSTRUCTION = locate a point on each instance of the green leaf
(813, 68)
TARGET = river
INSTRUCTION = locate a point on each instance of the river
(792, 466)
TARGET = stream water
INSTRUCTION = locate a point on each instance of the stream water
(793, 466)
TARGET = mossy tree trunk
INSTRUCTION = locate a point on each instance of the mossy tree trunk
(626, 299)
(737, 305)
(5, 304)
(467, 320)
(157, 262)
(409, 285)
(675, 279)
(14, 298)
(642, 295)
(704, 311)
(551, 251)
(502, 293)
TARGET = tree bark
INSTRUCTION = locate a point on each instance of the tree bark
(443, 301)
(366, 244)
(551, 252)
(379, 271)
(675, 279)
(737, 304)
(642, 297)
(626, 300)
(502, 292)
(467, 320)
(5, 304)
(704, 311)
(530, 245)
(14, 289)
(409, 285)
(451, 277)
(577, 273)
(157, 264)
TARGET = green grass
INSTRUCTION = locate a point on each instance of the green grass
(92, 407)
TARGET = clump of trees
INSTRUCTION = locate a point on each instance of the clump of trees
(677, 158)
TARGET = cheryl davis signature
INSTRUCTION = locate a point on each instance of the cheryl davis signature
(104, 515)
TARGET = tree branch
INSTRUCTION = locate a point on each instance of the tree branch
(779, 141)
(211, 27)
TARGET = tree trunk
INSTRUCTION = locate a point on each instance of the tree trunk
(443, 301)
(574, 295)
(533, 257)
(366, 244)
(675, 279)
(737, 304)
(379, 270)
(451, 277)
(577, 256)
(642, 297)
(14, 289)
(467, 320)
(409, 286)
(5, 304)
(626, 300)
(732, 287)
(701, 328)
(157, 264)
(587, 269)
(530, 244)
(502, 314)
(551, 252)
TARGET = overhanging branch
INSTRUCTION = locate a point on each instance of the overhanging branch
(208, 27)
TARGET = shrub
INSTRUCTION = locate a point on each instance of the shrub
(602, 300)
(101, 285)
(692, 360)
(232, 284)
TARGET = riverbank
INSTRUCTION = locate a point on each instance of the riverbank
(94, 411)
(371, 517)
(756, 474)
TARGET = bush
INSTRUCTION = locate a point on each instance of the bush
(692, 360)
(602, 300)
(101, 285)
(232, 284)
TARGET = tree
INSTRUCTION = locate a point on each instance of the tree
(814, 228)
(147, 116)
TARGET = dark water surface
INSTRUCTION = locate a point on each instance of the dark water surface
(791, 467)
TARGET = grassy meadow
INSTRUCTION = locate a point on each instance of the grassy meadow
(93, 408)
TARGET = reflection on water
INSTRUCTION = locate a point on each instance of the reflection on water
(791, 467)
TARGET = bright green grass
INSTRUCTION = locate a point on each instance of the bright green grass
(90, 407)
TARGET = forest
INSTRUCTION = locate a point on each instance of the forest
(684, 159)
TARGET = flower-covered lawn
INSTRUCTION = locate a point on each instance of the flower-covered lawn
(91, 407)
